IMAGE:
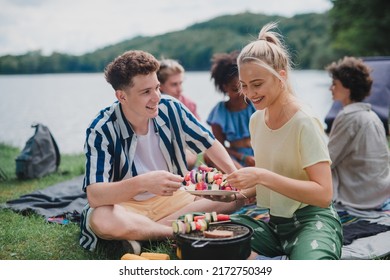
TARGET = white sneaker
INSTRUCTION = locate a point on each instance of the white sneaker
(132, 246)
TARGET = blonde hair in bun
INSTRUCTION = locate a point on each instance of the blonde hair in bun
(269, 52)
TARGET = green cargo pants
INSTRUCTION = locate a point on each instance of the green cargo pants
(313, 233)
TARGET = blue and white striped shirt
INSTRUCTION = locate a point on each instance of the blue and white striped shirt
(111, 143)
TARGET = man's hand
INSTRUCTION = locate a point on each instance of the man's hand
(161, 182)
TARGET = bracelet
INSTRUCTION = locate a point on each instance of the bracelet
(243, 159)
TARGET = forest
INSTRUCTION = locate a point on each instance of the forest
(351, 27)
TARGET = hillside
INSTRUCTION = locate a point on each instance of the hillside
(306, 35)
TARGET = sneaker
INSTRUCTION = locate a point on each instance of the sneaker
(132, 246)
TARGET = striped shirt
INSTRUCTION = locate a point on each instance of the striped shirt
(111, 144)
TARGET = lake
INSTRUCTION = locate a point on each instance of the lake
(66, 103)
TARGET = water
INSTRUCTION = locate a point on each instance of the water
(66, 103)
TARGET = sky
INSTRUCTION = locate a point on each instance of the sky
(81, 26)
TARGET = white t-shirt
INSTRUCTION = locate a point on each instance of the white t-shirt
(145, 160)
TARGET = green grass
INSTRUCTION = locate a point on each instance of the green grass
(30, 237)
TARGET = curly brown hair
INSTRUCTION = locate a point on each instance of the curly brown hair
(121, 71)
(353, 74)
(224, 69)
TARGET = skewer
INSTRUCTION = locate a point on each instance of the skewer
(220, 222)
(211, 223)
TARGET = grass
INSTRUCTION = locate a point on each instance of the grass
(30, 237)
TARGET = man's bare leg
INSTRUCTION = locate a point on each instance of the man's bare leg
(116, 223)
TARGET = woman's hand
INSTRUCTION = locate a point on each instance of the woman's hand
(244, 178)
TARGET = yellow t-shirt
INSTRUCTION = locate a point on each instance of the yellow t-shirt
(287, 151)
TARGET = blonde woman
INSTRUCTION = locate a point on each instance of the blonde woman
(292, 175)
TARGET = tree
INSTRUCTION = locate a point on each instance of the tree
(360, 27)
(306, 35)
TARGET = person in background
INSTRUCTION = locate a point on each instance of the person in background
(171, 76)
(292, 175)
(229, 120)
(358, 145)
(135, 159)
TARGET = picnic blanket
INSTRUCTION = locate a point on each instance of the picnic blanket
(60, 203)
(367, 233)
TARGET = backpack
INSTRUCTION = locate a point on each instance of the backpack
(40, 156)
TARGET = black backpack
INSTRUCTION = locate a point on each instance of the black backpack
(40, 156)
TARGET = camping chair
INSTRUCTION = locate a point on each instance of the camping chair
(380, 92)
